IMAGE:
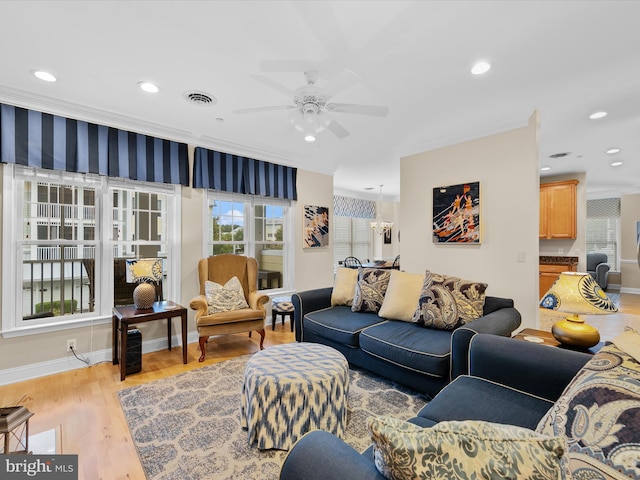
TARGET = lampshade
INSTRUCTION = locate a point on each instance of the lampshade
(144, 270)
(141, 271)
(578, 294)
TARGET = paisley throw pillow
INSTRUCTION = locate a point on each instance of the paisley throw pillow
(225, 298)
(463, 449)
(448, 302)
(370, 289)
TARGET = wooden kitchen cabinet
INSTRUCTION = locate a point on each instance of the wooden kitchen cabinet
(558, 210)
(549, 273)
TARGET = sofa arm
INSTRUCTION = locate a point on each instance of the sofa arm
(309, 301)
(320, 455)
(602, 272)
(499, 322)
(540, 370)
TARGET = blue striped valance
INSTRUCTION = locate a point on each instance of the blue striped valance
(36, 139)
(233, 173)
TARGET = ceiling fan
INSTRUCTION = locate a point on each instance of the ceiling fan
(311, 107)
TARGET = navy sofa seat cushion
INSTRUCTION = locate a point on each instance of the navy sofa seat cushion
(474, 398)
(410, 345)
(339, 324)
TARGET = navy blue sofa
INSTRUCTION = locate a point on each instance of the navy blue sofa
(405, 352)
(509, 381)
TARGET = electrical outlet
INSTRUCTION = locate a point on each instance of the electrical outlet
(71, 344)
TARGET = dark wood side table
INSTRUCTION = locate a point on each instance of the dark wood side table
(126, 315)
(546, 338)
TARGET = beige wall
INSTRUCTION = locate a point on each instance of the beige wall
(506, 165)
(313, 266)
(577, 247)
(629, 216)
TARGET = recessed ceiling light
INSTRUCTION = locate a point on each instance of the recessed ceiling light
(46, 76)
(148, 87)
(616, 164)
(545, 169)
(612, 151)
(596, 115)
(480, 68)
(309, 138)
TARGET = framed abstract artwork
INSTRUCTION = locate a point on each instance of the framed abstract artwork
(316, 227)
(456, 213)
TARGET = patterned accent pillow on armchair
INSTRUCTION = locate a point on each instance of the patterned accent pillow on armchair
(225, 298)
(447, 302)
(370, 289)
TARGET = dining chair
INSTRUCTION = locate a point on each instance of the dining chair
(352, 262)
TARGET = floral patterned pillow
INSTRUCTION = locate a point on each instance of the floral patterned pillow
(225, 298)
(370, 289)
(468, 449)
(449, 302)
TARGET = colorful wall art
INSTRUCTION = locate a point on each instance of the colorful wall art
(316, 227)
(456, 213)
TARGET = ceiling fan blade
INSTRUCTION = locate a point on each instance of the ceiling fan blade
(373, 110)
(281, 66)
(337, 129)
(273, 84)
(264, 109)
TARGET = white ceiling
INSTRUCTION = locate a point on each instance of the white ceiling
(565, 59)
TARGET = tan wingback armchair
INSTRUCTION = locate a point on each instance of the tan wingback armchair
(220, 269)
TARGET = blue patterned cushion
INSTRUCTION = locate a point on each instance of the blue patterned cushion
(225, 298)
(448, 302)
(370, 289)
(599, 414)
(469, 449)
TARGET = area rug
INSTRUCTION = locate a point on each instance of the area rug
(187, 427)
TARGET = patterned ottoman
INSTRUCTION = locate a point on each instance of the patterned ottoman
(292, 389)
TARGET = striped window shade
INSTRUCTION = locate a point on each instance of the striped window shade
(42, 140)
(353, 207)
(233, 173)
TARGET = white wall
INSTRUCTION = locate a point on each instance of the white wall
(629, 216)
(506, 165)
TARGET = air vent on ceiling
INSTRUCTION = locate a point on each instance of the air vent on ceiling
(559, 155)
(200, 98)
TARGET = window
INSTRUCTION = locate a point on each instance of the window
(52, 243)
(603, 229)
(351, 229)
(259, 227)
(352, 237)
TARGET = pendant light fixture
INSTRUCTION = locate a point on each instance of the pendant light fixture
(380, 226)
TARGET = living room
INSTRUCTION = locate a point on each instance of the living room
(503, 154)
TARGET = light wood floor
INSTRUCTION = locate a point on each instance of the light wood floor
(83, 403)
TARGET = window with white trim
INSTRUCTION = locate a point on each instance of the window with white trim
(603, 229)
(66, 235)
(259, 227)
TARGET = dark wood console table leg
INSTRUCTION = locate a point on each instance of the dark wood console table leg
(183, 317)
(114, 339)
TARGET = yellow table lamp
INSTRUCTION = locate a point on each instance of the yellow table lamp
(577, 294)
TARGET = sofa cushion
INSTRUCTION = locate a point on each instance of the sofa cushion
(468, 449)
(339, 324)
(344, 286)
(370, 289)
(489, 401)
(401, 300)
(406, 344)
(448, 302)
(225, 298)
(599, 414)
